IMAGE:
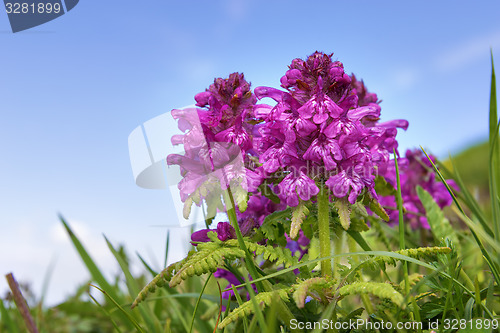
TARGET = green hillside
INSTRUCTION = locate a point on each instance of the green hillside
(472, 165)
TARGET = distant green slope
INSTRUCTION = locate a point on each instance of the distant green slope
(472, 164)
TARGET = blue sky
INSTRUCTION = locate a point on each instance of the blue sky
(73, 89)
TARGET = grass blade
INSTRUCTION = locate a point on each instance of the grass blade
(105, 312)
(146, 265)
(327, 314)
(365, 253)
(494, 188)
(166, 249)
(94, 271)
(493, 128)
(127, 315)
(467, 197)
(494, 270)
(7, 320)
(198, 303)
(240, 302)
(402, 245)
(133, 288)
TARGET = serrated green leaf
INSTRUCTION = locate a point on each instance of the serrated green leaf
(344, 211)
(273, 226)
(358, 225)
(381, 290)
(263, 299)
(383, 188)
(302, 289)
(298, 215)
(376, 207)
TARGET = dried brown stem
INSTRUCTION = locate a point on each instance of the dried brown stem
(21, 304)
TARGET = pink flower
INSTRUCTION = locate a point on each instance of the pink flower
(415, 170)
(329, 120)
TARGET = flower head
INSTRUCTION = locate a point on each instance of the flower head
(224, 232)
(328, 121)
(217, 142)
(415, 170)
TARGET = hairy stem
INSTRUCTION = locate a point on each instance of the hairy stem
(324, 231)
(338, 244)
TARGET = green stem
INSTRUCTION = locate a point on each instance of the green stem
(402, 244)
(367, 303)
(231, 214)
(198, 303)
(283, 311)
(233, 219)
(338, 244)
(324, 231)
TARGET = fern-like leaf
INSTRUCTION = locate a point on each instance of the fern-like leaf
(159, 281)
(418, 253)
(424, 252)
(274, 224)
(298, 216)
(278, 254)
(376, 207)
(240, 197)
(303, 288)
(440, 226)
(344, 210)
(381, 290)
(412, 279)
(207, 258)
(263, 299)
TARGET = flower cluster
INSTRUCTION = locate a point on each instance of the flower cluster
(324, 128)
(323, 131)
(217, 143)
(322, 140)
(415, 170)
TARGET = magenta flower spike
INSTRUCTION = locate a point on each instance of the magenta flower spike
(218, 145)
(323, 129)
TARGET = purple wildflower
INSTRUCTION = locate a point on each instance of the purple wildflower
(300, 245)
(218, 143)
(415, 170)
(327, 121)
(224, 232)
(233, 281)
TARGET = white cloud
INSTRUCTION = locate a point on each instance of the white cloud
(29, 251)
(406, 78)
(467, 52)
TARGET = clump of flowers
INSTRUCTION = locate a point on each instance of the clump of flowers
(217, 144)
(293, 177)
(415, 170)
(324, 129)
